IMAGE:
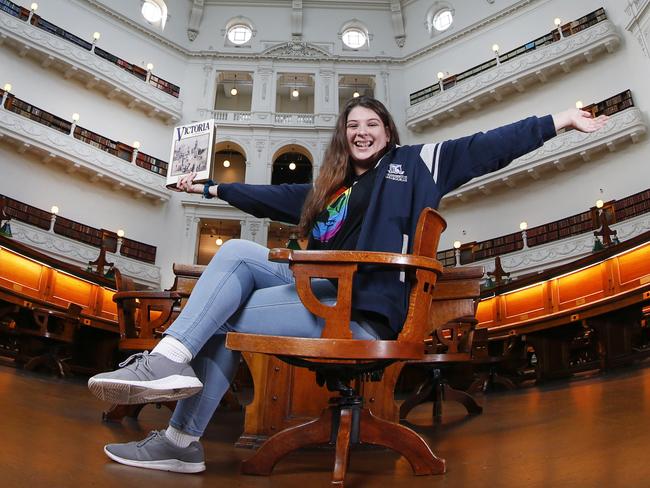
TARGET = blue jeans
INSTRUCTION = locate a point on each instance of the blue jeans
(240, 291)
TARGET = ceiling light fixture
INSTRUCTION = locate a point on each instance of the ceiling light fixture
(295, 93)
(233, 90)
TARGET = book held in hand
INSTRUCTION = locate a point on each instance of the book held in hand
(191, 151)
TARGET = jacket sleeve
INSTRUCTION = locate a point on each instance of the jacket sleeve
(457, 161)
(276, 202)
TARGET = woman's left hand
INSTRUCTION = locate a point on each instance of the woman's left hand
(579, 119)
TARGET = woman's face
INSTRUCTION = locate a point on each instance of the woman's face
(366, 136)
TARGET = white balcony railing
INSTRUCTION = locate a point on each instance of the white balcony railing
(621, 129)
(96, 73)
(306, 120)
(513, 76)
(78, 156)
(282, 120)
(79, 254)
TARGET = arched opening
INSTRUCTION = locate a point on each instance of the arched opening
(229, 163)
(292, 164)
(212, 234)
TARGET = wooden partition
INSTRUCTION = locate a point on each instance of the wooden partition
(601, 283)
(31, 279)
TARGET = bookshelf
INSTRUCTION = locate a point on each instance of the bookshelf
(24, 109)
(116, 148)
(138, 250)
(568, 29)
(39, 22)
(77, 231)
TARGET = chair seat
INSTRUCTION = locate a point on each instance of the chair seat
(324, 349)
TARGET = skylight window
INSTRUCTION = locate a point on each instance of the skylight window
(240, 34)
(154, 12)
(443, 19)
(354, 38)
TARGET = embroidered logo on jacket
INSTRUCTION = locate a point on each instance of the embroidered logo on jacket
(395, 172)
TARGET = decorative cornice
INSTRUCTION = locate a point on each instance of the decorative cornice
(628, 125)
(497, 82)
(79, 156)
(295, 49)
(80, 254)
(95, 71)
(248, 56)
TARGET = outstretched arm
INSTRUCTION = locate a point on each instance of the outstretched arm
(277, 202)
(578, 119)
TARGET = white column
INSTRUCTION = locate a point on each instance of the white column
(382, 87)
(255, 230)
(325, 92)
(263, 102)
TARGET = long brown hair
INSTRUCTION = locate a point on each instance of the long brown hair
(336, 165)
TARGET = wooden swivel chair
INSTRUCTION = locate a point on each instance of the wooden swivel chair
(340, 361)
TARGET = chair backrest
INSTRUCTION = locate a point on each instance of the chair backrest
(427, 237)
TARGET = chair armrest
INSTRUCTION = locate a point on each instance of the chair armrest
(342, 265)
(388, 259)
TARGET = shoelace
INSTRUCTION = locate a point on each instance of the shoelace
(140, 357)
(152, 435)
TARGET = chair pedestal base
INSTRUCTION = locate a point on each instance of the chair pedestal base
(435, 389)
(345, 425)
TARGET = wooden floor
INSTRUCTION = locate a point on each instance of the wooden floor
(585, 433)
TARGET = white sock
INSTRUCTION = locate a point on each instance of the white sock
(180, 438)
(173, 349)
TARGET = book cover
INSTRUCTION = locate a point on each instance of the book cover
(191, 151)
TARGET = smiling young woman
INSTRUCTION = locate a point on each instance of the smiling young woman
(368, 196)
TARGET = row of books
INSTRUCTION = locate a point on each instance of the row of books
(138, 250)
(584, 222)
(568, 29)
(116, 148)
(24, 109)
(75, 230)
(38, 21)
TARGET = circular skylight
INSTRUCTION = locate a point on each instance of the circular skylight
(239, 34)
(354, 38)
(151, 11)
(443, 19)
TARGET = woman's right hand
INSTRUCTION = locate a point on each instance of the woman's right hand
(186, 184)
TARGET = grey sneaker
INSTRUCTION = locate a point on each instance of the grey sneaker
(157, 452)
(145, 378)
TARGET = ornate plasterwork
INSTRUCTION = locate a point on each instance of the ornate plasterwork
(639, 23)
(96, 70)
(79, 156)
(501, 79)
(542, 257)
(621, 127)
(79, 254)
(295, 49)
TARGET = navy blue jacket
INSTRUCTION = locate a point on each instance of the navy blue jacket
(408, 179)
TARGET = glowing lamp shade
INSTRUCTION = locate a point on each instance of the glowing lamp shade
(523, 225)
(151, 12)
(456, 244)
(7, 87)
(441, 75)
(75, 117)
(136, 144)
(149, 66)
(579, 104)
(34, 7)
(96, 36)
(295, 93)
(495, 48)
(557, 21)
(54, 209)
(292, 166)
(599, 204)
(233, 91)
(355, 94)
(120, 233)
(219, 241)
(226, 163)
